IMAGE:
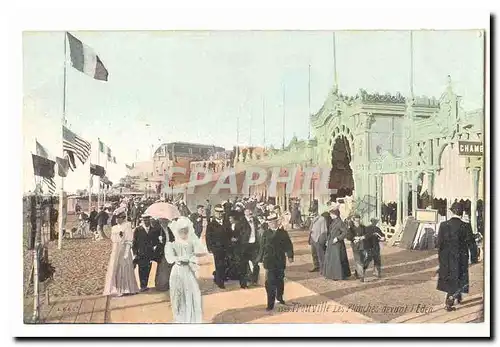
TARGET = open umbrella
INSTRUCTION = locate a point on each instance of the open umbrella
(163, 210)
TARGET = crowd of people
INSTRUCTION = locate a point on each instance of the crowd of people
(328, 233)
(244, 234)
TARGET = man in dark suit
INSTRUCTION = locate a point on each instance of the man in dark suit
(197, 219)
(145, 248)
(134, 214)
(275, 244)
(453, 255)
(217, 240)
(93, 219)
(360, 243)
(249, 248)
(102, 220)
(376, 235)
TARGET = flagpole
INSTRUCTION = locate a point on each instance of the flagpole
(411, 64)
(264, 119)
(90, 180)
(250, 128)
(104, 189)
(335, 79)
(63, 122)
(309, 113)
(99, 163)
(238, 130)
(284, 111)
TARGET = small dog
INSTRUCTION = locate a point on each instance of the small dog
(97, 236)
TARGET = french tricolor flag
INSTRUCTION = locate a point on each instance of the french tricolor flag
(84, 59)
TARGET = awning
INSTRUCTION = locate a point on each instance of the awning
(390, 188)
(453, 181)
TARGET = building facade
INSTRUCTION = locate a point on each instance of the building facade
(389, 149)
(180, 155)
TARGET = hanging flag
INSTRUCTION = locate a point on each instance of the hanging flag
(75, 145)
(62, 166)
(44, 167)
(41, 151)
(49, 181)
(114, 160)
(129, 167)
(71, 160)
(101, 146)
(84, 59)
(97, 170)
(110, 157)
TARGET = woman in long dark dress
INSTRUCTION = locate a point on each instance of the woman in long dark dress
(163, 269)
(336, 265)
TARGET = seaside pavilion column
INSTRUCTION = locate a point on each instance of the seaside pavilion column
(475, 192)
(414, 190)
(380, 197)
(373, 199)
(404, 191)
(431, 175)
(399, 207)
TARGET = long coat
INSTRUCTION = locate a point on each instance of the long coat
(453, 257)
(274, 246)
(146, 245)
(217, 236)
(336, 265)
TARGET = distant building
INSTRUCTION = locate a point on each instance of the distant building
(181, 155)
(141, 174)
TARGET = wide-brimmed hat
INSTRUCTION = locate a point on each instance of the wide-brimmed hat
(332, 206)
(145, 215)
(120, 212)
(218, 208)
(272, 217)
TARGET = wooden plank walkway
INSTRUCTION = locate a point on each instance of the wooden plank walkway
(91, 309)
(471, 310)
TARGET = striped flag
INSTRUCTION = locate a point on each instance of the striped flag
(75, 145)
(84, 59)
(44, 167)
(110, 157)
(37, 163)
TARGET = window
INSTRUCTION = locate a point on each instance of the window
(386, 135)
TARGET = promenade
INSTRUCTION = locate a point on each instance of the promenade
(406, 294)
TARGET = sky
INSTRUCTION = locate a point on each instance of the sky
(193, 85)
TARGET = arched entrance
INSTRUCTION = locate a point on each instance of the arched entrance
(341, 177)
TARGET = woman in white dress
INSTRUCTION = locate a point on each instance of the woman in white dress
(185, 294)
(120, 277)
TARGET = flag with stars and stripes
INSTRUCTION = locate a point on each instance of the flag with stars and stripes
(75, 146)
(44, 167)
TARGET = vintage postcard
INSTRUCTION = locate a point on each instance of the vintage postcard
(254, 177)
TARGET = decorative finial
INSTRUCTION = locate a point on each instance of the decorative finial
(448, 79)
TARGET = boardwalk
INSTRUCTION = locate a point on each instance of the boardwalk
(405, 294)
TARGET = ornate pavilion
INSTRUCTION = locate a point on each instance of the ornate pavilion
(385, 149)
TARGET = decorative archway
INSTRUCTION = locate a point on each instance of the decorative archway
(340, 154)
(341, 130)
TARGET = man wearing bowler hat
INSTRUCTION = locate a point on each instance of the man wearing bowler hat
(376, 235)
(145, 243)
(275, 247)
(217, 239)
